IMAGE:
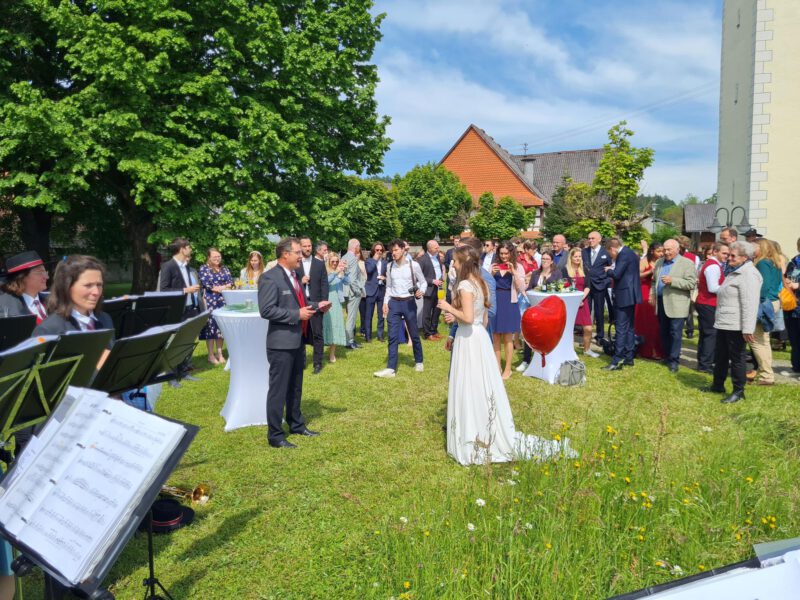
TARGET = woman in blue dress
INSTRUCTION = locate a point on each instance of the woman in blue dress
(214, 278)
(333, 320)
(509, 277)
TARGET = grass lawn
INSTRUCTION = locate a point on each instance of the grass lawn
(669, 482)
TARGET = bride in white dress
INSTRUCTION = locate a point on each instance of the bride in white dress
(480, 427)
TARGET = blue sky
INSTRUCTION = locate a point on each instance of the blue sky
(555, 74)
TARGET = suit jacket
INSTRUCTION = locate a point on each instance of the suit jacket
(677, 295)
(429, 273)
(561, 261)
(278, 303)
(596, 275)
(627, 286)
(448, 258)
(317, 280)
(556, 275)
(171, 279)
(56, 324)
(372, 284)
(356, 278)
(16, 305)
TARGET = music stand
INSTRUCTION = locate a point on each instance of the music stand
(110, 534)
(180, 347)
(88, 344)
(131, 362)
(14, 330)
(118, 309)
(133, 315)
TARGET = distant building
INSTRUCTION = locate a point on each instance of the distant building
(760, 118)
(483, 165)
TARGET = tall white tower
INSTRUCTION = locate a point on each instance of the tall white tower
(759, 140)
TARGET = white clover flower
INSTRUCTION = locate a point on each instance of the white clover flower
(480, 502)
(470, 527)
(514, 473)
(676, 570)
(404, 520)
(707, 429)
(511, 482)
(528, 526)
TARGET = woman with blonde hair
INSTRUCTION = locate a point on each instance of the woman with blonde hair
(767, 262)
(584, 318)
(333, 320)
(255, 267)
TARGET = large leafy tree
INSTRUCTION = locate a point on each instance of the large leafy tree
(432, 201)
(365, 209)
(205, 119)
(500, 220)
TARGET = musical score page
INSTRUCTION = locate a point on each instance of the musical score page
(98, 459)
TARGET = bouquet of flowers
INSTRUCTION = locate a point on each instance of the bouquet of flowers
(561, 286)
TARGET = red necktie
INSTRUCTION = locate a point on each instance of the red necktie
(40, 314)
(301, 299)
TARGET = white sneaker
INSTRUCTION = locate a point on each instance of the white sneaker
(522, 366)
(384, 373)
(419, 367)
(790, 374)
(591, 353)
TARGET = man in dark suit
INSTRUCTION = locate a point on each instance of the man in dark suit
(314, 278)
(282, 302)
(433, 271)
(448, 259)
(627, 294)
(375, 288)
(595, 261)
(177, 276)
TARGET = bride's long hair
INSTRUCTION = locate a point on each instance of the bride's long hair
(470, 270)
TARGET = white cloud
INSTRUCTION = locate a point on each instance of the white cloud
(676, 179)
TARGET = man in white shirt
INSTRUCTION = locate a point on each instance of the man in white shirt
(487, 257)
(404, 283)
(709, 279)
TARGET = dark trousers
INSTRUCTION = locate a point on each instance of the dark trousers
(690, 320)
(793, 331)
(362, 315)
(403, 311)
(730, 350)
(430, 314)
(317, 339)
(624, 340)
(671, 331)
(186, 366)
(707, 339)
(372, 303)
(597, 301)
(285, 391)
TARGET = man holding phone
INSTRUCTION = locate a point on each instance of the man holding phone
(282, 302)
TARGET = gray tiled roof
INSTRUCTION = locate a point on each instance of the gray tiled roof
(547, 169)
(697, 217)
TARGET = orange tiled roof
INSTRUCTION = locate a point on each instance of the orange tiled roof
(483, 166)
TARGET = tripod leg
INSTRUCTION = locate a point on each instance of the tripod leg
(151, 582)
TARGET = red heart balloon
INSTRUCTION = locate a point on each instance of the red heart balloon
(543, 325)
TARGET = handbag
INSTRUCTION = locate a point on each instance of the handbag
(787, 299)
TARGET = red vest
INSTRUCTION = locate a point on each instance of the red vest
(703, 295)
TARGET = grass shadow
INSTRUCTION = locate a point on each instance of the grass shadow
(313, 408)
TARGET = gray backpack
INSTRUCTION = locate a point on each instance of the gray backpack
(572, 372)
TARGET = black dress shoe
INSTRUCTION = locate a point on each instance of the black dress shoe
(317, 369)
(307, 433)
(710, 389)
(281, 444)
(706, 371)
(673, 368)
(612, 367)
(734, 397)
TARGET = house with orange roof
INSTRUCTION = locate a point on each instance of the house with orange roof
(483, 165)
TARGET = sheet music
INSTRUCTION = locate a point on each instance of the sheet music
(94, 463)
(34, 341)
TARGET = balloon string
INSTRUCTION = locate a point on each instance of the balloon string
(543, 361)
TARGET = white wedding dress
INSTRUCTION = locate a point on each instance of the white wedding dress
(480, 426)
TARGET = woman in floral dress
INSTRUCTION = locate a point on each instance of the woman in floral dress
(214, 278)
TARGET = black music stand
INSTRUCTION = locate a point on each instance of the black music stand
(56, 584)
(14, 330)
(180, 347)
(118, 309)
(131, 362)
(88, 344)
(133, 315)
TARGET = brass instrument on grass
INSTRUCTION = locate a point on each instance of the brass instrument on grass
(199, 495)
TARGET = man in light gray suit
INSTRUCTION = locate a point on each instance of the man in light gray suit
(353, 290)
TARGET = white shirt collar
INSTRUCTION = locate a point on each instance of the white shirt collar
(84, 320)
(29, 300)
(289, 274)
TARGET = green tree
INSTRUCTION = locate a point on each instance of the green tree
(558, 216)
(500, 220)
(365, 209)
(432, 201)
(205, 119)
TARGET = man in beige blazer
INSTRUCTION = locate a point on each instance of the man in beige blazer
(674, 278)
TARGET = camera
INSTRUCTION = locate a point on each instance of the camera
(413, 290)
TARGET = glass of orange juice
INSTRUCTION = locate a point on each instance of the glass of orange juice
(440, 294)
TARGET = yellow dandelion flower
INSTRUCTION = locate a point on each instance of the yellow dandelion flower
(763, 521)
(407, 584)
(771, 518)
(576, 464)
(516, 500)
(612, 475)
(701, 567)
(377, 532)
(557, 437)
(539, 493)
(641, 538)
(548, 545)
(748, 521)
(426, 533)
(610, 429)
(738, 536)
(627, 479)
(772, 526)
(748, 479)
(637, 434)
(661, 563)
(686, 501)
